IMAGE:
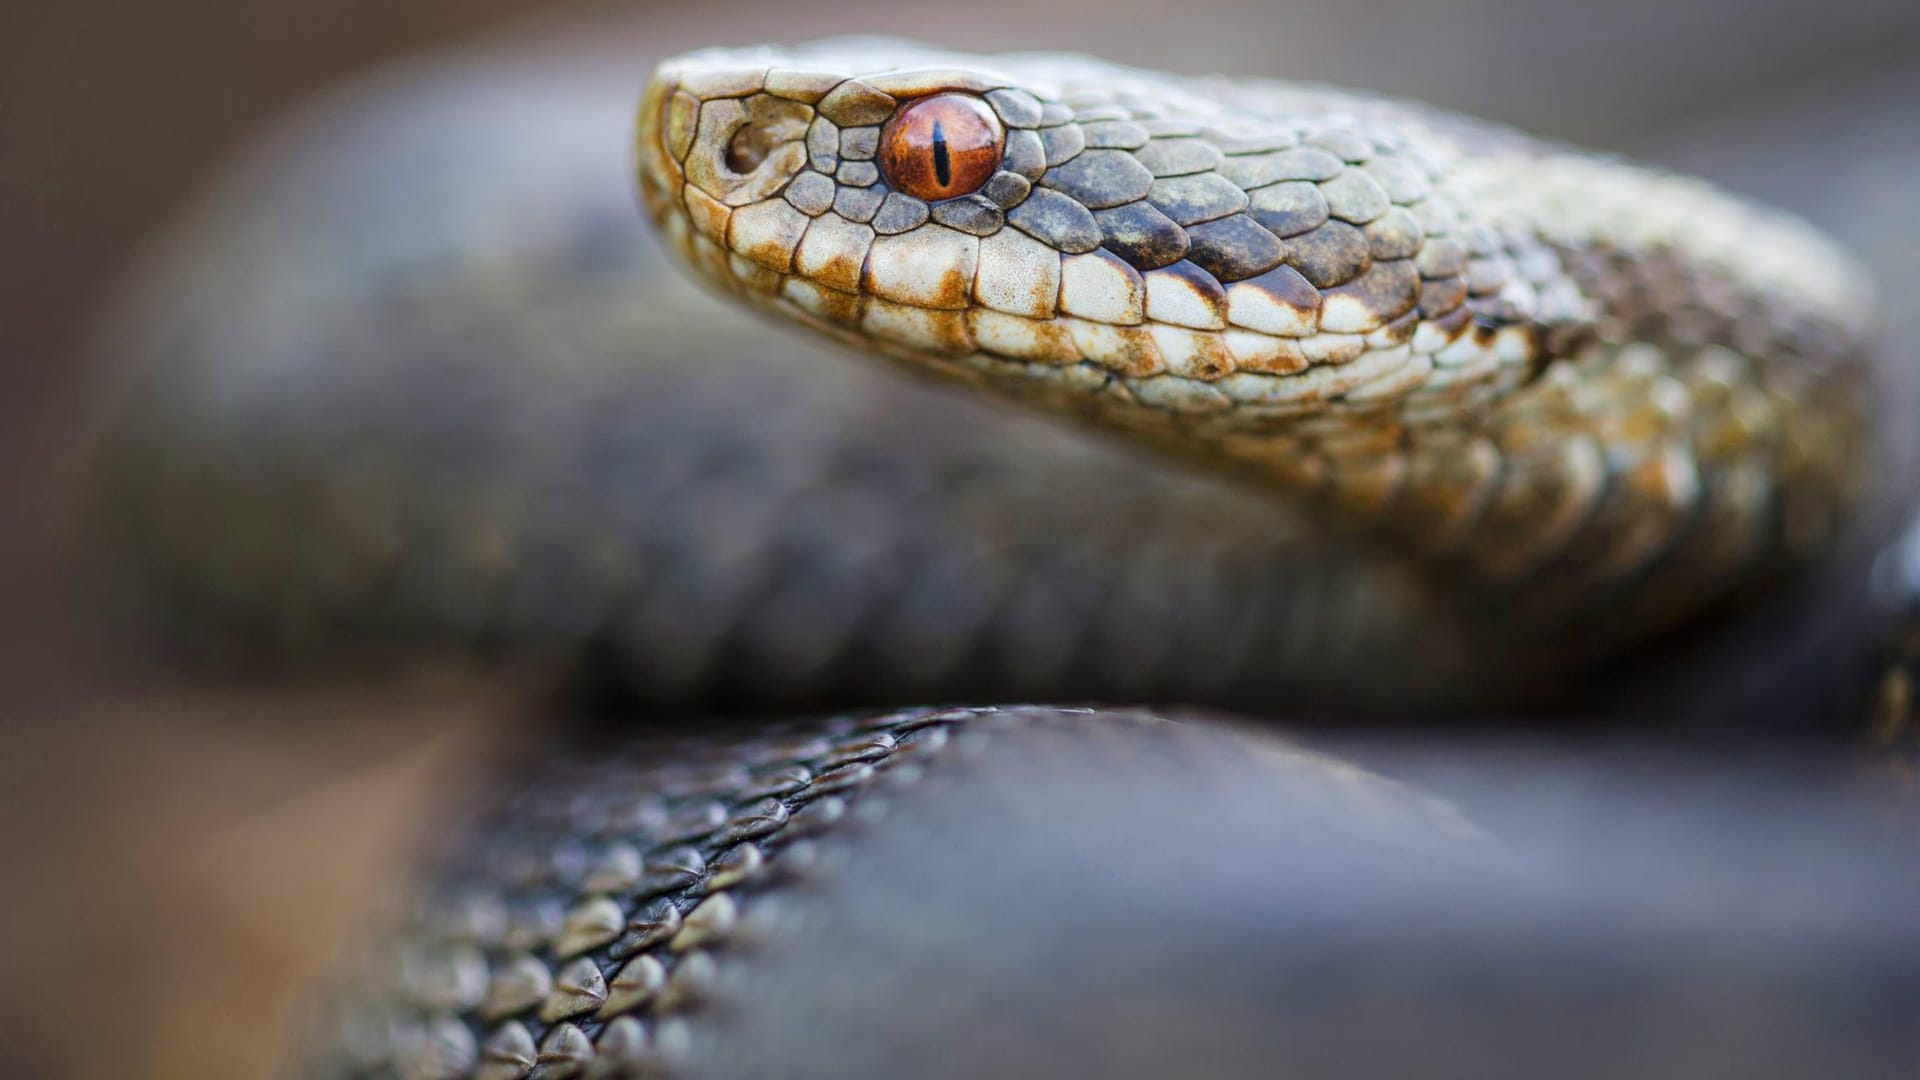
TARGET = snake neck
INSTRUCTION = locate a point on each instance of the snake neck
(1679, 404)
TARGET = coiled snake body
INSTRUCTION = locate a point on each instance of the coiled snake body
(1486, 415)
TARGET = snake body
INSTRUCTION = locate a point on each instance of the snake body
(1479, 416)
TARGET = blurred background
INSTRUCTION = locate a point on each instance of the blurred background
(143, 836)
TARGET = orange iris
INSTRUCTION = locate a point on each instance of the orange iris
(941, 147)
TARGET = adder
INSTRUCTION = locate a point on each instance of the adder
(1382, 420)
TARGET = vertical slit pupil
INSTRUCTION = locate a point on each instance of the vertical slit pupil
(942, 166)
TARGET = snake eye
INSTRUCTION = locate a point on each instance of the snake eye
(941, 147)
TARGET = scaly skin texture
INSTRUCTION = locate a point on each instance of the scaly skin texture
(594, 923)
(422, 386)
(1046, 892)
(1556, 374)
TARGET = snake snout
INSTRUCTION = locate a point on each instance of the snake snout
(851, 185)
(711, 142)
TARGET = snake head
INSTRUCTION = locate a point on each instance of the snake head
(1111, 241)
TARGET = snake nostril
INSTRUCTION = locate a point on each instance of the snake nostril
(748, 148)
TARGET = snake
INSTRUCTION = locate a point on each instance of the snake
(1209, 393)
